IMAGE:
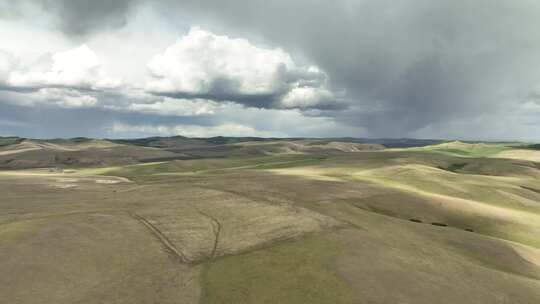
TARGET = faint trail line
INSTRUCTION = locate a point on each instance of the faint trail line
(51, 215)
(169, 246)
(530, 189)
(132, 189)
(216, 229)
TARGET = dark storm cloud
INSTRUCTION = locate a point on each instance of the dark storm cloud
(40, 121)
(8, 88)
(222, 89)
(405, 65)
(260, 101)
(268, 101)
(81, 17)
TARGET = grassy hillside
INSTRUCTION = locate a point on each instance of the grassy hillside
(299, 221)
(457, 148)
(6, 141)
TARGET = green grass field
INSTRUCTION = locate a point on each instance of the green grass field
(461, 149)
(302, 271)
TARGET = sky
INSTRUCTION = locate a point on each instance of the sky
(442, 69)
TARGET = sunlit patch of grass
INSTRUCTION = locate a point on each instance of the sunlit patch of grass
(164, 170)
(293, 272)
(461, 149)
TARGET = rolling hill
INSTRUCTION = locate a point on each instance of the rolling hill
(231, 220)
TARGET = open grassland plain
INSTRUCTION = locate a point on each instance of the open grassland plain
(177, 220)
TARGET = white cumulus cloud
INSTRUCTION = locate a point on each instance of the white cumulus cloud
(175, 107)
(220, 67)
(65, 98)
(200, 60)
(307, 97)
(60, 97)
(7, 62)
(78, 67)
(231, 129)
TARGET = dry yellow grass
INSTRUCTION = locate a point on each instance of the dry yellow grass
(318, 230)
(531, 155)
(207, 223)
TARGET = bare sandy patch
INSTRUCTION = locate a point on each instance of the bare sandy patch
(108, 181)
(308, 172)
